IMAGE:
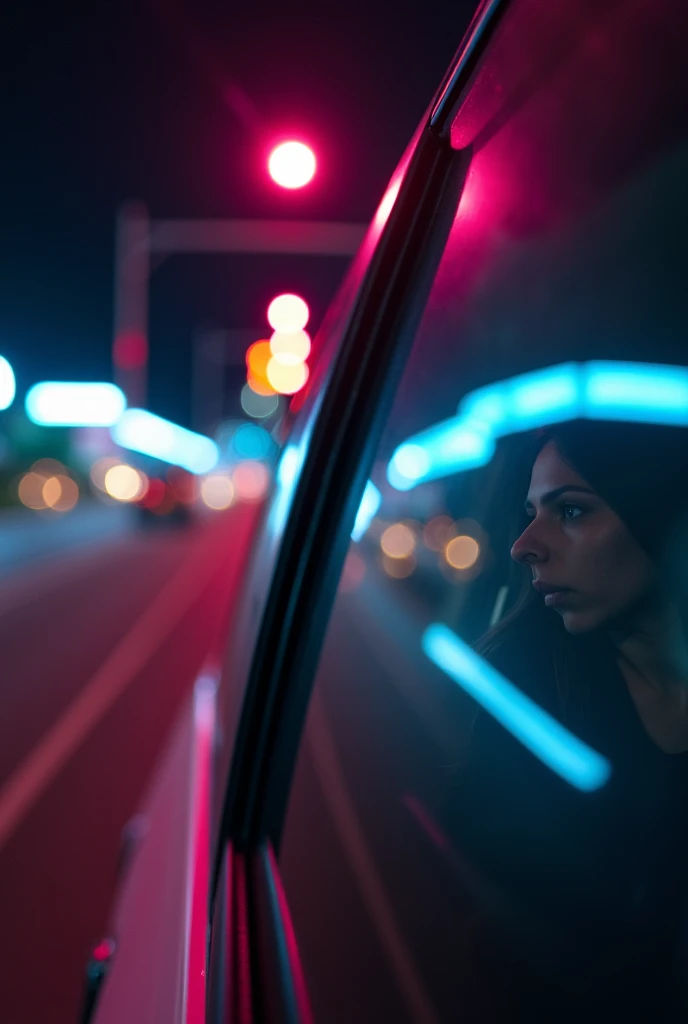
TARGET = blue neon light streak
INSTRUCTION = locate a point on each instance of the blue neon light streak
(74, 404)
(370, 503)
(545, 737)
(445, 448)
(599, 390)
(638, 392)
(142, 431)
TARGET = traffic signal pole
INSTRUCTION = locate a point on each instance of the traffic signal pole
(141, 244)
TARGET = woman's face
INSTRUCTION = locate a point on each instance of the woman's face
(585, 563)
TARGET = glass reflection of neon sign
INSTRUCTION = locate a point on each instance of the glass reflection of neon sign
(631, 392)
(370, 503)
(545, 737)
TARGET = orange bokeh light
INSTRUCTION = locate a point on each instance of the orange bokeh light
(260, 386)
(258, 356)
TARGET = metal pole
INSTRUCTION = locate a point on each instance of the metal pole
(137, 238)
(132, 271)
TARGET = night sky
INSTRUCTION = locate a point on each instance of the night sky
(177, 104)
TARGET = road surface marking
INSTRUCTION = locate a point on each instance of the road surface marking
(35, 773)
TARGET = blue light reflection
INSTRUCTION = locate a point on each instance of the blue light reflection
(598, 390)
(571, 758)
(370, 503)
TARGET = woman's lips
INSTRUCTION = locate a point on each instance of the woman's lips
(554, 596)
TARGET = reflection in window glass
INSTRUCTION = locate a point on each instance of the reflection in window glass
(488, 816)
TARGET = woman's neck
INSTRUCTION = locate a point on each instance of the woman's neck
(653, 645)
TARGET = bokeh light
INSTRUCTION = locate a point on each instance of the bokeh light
(398, 568)
(260, 386)
(286, 379)
(250, 481)
(183, 485)
(462, 552)
(60, 493)
(290, 347)
(258, 355)
(438, 531)
(252, 442)
(256, 405)
(99, 469)
(292, 164)
(398, 541)
(48, 467)
(124, 483)
(30, 490)
(217, 491)
(156, 496)
(288, 313)
(130, 350)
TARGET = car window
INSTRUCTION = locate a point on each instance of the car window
(487, 817)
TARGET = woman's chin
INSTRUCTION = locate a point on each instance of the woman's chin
(576, 622)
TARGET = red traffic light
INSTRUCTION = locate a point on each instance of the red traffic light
(292, 164)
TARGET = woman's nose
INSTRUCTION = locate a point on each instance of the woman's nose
(529, 548)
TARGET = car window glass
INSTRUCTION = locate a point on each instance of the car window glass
(488, 813)
(304, 412)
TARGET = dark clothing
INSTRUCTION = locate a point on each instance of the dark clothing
(587, 922)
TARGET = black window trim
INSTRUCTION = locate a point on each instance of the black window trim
(477, 38)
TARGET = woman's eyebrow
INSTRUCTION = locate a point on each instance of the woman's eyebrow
(549, 496)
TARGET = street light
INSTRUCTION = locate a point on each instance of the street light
(291, 164)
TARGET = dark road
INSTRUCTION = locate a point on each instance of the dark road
(100, 650)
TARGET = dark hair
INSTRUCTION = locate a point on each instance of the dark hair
(639, 470)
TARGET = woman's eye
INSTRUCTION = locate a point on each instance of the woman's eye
(570, 511)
